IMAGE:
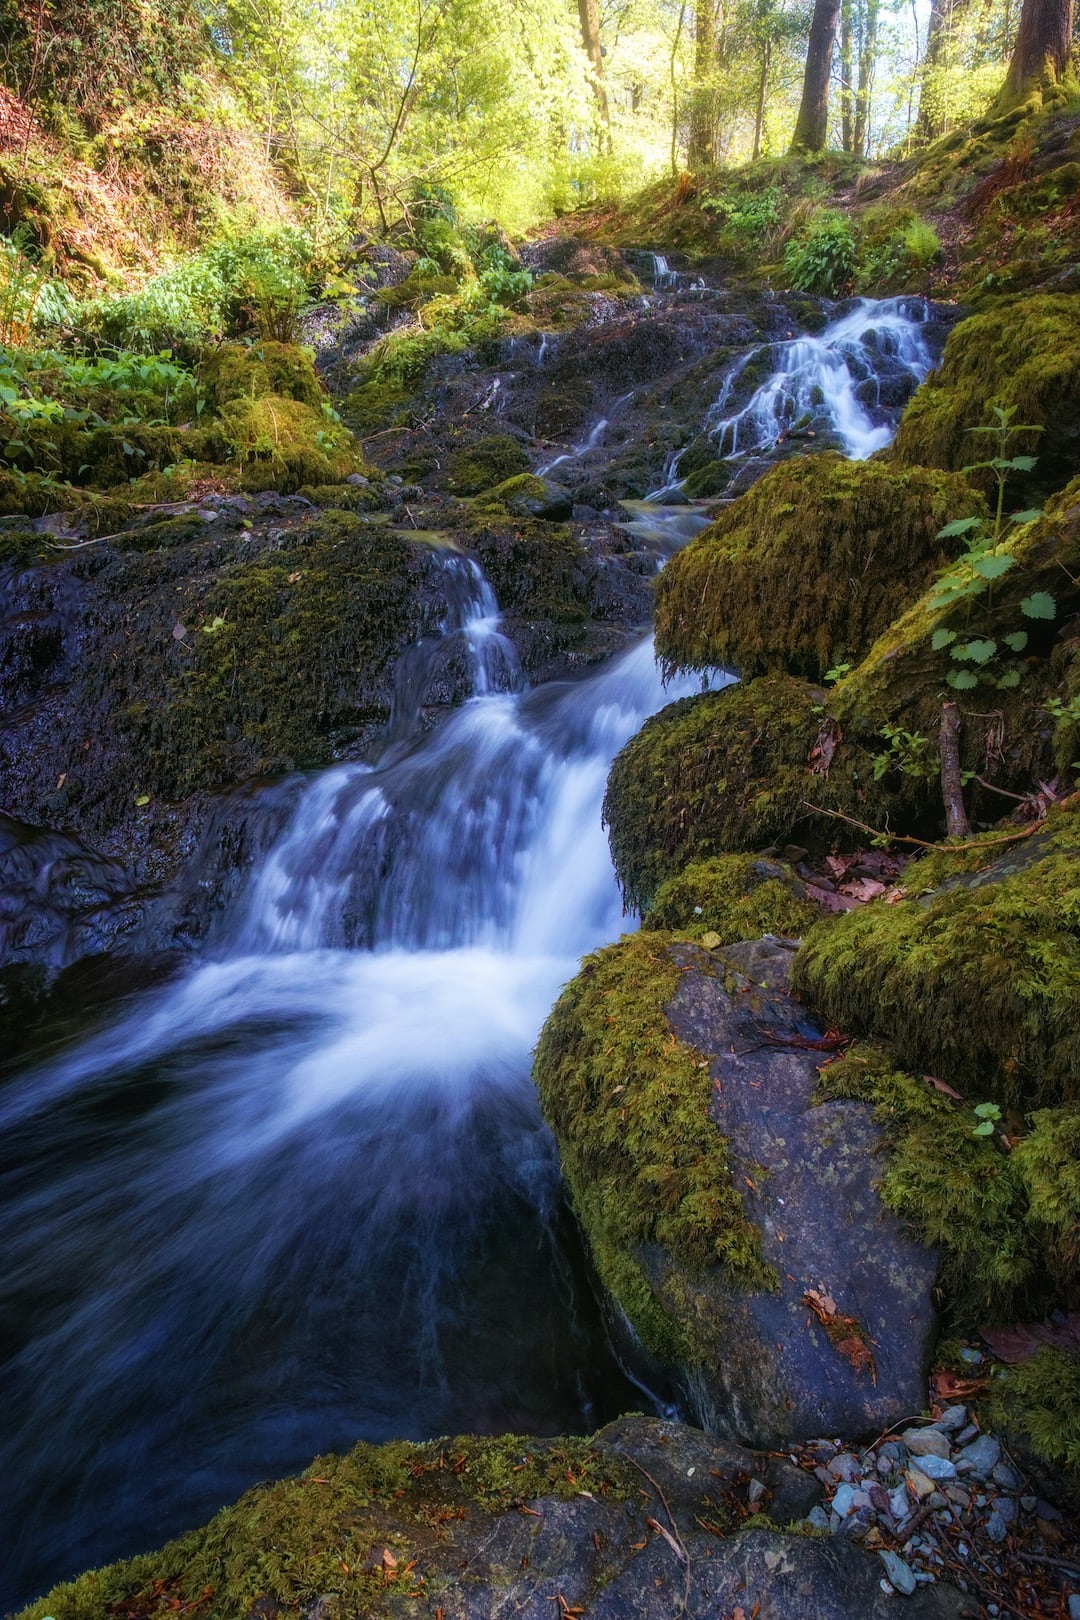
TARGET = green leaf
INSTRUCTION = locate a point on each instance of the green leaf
(985, 1129)
(143, 798)
(1017, 640)
(942, 638)
(1029, 516)
(1010, 680)
(1018, 463)
(1040, 605)
(975, 652)
(987, 1110)
(962, 680)
(993, 565)
(958, 526)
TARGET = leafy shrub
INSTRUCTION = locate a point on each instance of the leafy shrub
(823, 259)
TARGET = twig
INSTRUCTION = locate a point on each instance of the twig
(921, 843)
(678, 1534)
(1021, 798)
(1055, 1563)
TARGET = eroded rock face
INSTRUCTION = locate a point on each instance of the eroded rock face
(647, 1520)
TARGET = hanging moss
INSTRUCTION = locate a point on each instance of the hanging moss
(349, 1532)
(485, 463)
(1008, 733)
(805, 569)
(729, 772)
(977, 981)
(646, 1165)
(1041, 1400)
(732, 897)
(1024, 354)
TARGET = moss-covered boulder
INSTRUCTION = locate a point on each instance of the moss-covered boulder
(1000, 1206)
(485, 463)
(803, 571)
(730, 772)
(730, 898)
(975, 976)
(238, 371)
(1024, 355)
(720, 1202)
(475, 1528)
(527, 496)
(1015, 711)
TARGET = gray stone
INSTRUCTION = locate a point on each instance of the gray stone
(967, 1434)
(846, 1466)
(981, 1457)
(925, 1442)
(1006, 1477)
(1006, 1508)
(771, 1374)
(937, 1467)
(1074, 1606)
(953, 1418)
(900, 1575)
(843, 1502)
(996, 1528)
(818, 1518)
(920, 1484)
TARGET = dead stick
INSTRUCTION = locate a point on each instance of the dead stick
(957, 824)
(921, 843)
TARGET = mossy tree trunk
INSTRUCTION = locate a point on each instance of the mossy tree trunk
(847, 77)
(812, 124)
(1041, 51)
(702, 151)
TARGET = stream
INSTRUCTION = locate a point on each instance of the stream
(302, 1194)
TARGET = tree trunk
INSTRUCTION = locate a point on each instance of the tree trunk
(589, 17)
(1041, 50)
(929, 123)
(867, 48)
(847, 77)
(952, 782)
(763, 85)
(702, 150)
(812, 124)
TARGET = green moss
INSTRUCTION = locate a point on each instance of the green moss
(283, 444)
(734, 897)
(1024, 354)
(322, 1536)
(807, 568)
(978, 981)
(629, 1105)
(1041, 1399)
(711, 478)
(729, 772)
(233, 371)
(962, 1194)
(284, 657)
(487, 462)
(538, 570)
(525, 495)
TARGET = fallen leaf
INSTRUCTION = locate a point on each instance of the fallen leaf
(942, 1086)
(668, 1537)
(1021, 1340)
(61, 779)
(829, 900)
(863, 889)
(294, 577)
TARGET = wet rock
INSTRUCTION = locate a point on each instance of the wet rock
(981, 1457)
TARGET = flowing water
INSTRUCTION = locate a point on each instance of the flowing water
(303, 1195)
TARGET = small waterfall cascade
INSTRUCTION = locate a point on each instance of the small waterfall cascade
(302, 1194)
(855, 376)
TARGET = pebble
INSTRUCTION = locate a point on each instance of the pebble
(936, 1467)
(843, 1502)
(1006, 1477)
(755, 1490)
(996, 1528)
(953, 1418)
(818, 1517)
(1074, 1606)
(1027, 1503)
(966, 1435)
(845, 1467)
(981, 1457)
(898, 1503)
(926, 1442)
(920, 1484)
(900, 1574)
(972, 1357)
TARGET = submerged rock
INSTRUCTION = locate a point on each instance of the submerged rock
(646, 1519)
(734, 1219)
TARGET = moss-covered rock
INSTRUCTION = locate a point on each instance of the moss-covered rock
(679, 1085)
(1024, 355)
(283, 444)
(1041, 1401)
(1010, 734)
(646, 1165)
(485, 463)
(977, 980)
(803, 571)
(730, 772)
(527, 496)
(235, 371)
(732, 897)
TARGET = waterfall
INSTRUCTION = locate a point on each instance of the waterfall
(303, 1194)
(837, 376)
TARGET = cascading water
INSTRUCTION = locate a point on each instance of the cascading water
(837, 375)
(303, 1194)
